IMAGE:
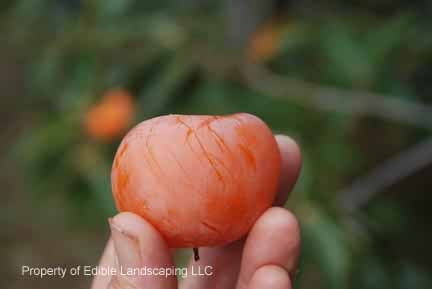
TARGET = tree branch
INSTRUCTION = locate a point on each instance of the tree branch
(385, 175)
(339, 100)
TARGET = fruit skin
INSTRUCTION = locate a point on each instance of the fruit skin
(200, 180)
(110, 117)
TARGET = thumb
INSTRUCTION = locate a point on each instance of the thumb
(142, 255)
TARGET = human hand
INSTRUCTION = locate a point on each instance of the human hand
(266, 258)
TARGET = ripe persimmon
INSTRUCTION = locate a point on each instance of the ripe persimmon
(265, 42)
(110, 117)
(199, 180)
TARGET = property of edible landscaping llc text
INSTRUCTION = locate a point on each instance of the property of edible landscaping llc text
(87, 270)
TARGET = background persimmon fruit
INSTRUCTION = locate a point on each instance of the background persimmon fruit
(110, 117)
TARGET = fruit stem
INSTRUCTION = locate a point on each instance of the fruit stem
(196, 254)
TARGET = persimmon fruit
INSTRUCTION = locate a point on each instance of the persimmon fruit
(265, 42)
(111, 116)
(199, 180)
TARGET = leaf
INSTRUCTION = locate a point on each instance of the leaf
(383, 39)
(93, 167)
(326, 245)
(113, 8)
(162, 88)
(348, 62)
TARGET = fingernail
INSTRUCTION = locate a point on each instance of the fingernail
(126, 246)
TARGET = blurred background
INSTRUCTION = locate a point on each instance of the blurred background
(349, 80)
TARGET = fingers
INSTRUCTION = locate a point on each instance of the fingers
(290, 168)
(270, 277)
(107, 261)
(137, 246)
(283, 252)
(273, 240)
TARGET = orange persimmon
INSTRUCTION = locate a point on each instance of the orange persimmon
(265, 42)
(110, 117)
(199, 180)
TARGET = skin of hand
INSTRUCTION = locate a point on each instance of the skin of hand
(266, 258)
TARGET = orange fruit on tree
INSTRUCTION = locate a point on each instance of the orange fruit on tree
(199, 180)
(111, 117)
(265, 42)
